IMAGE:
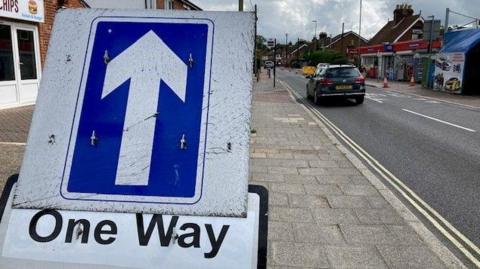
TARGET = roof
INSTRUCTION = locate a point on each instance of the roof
(392, 33)
(461, 41)
(339, 37)
(190, 4)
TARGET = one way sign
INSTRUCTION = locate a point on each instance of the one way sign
(159, 122)
(142, 125)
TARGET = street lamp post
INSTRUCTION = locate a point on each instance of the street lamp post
(431, 34)
(286, 48)
(359, 35)
(315, 28)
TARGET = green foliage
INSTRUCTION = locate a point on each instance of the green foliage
(325, 56)
(261, 42)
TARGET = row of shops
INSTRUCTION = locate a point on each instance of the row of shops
(453, 66)
(398, 61)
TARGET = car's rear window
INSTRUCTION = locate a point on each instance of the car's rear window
(343, 72)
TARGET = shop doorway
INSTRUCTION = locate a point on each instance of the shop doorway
(19, 64)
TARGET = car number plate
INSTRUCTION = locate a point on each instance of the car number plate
(344, 87)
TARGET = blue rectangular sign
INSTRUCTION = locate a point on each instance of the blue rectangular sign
(142, 127)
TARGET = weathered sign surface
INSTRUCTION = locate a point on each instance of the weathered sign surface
(142, 111)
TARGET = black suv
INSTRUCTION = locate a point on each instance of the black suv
(336, 80)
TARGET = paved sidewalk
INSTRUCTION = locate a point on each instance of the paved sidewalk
(323, 212)
(418, 90)
(14, 126)
(15, 123)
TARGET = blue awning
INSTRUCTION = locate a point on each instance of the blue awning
(461, 41)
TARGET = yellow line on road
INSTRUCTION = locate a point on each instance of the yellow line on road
(408, 194)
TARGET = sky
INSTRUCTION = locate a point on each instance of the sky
(294, 17)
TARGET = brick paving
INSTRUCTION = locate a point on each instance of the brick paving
(323, 212)
(15, 123)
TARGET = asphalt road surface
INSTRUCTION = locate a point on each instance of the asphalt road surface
(433, 147)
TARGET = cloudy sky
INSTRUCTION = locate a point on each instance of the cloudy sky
(277, 17)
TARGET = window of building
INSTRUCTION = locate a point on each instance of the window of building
(7, 71)
(168, 4)
(26, 49)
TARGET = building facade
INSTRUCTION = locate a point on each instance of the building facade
(398, 50)
(343, 43)
(25, 29)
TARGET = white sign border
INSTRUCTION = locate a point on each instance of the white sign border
(204, 121)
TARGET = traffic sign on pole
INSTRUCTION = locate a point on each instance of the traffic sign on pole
(137, 112)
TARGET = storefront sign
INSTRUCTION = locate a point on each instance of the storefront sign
(449, 72)
(26, 10)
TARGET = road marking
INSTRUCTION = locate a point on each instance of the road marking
(371, 96)
(440, 223)
(411, 95)
(13, 143)
(442, 121)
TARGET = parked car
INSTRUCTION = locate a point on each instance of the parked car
(336, 80)
(268, 64)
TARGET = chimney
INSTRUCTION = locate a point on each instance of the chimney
(402, 11)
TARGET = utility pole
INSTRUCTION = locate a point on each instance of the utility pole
(359, 36)
(315, 36)
(274, 62)
(286, 48)
(255, 66)
(360, 25)
(240, 5)
(447, 16)
(343, 31)
(431, 34)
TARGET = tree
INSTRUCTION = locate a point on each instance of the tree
(326, 56)
(261, 42)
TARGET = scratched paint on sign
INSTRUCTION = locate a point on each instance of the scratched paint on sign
(146, 114)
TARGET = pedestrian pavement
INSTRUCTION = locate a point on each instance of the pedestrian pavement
(14, 126)
(472, 101)
(324, 212)
(15, 123)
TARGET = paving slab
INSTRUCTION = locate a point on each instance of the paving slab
(324, 210)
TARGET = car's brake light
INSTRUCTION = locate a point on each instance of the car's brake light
(326, 81)
(360, 80)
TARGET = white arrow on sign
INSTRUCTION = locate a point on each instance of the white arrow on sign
(146, 62)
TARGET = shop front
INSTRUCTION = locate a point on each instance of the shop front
(398, 61)
(20, 68)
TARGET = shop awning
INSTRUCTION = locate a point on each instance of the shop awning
(461, 41)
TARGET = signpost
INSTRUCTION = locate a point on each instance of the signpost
(138, 149)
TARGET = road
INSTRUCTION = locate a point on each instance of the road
(433, 147)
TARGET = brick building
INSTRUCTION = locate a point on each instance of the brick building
(346, 41)
(25, 28)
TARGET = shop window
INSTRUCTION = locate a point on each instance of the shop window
(7, 71)
(26, 49)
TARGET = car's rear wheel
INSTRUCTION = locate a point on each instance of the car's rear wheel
(308, 94)
(316, 99)
(359, 100)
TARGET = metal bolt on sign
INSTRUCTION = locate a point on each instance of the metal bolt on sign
(93, 139)
(183, 142)
(190, 60)
(106, 58)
